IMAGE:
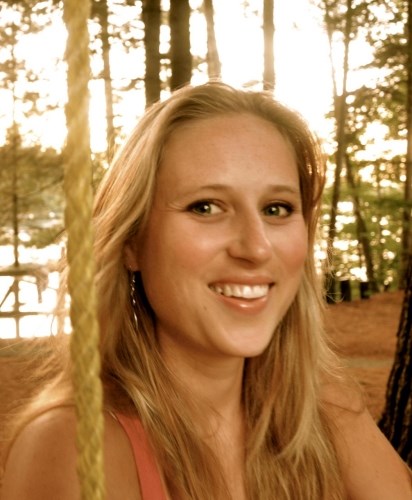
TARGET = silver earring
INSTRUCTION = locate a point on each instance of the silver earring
(133, 292)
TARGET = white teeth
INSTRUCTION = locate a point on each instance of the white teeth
(242, 291)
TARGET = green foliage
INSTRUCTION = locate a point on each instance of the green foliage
(381, 211)
(383, 98)
(31, 193)
(374, 194)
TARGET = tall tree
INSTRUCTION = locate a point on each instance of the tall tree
(383, 101)
(214, 68)
(268, 53)
(19, 83)
(151, 14)
(340, 107)
(407, 212)
(101, 12)
(180, 55)
(396, 420)
(361, 229)
(31, 193)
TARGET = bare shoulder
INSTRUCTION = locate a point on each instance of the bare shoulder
(371, 467)
(43, 459)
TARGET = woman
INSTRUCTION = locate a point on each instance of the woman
(218, 379)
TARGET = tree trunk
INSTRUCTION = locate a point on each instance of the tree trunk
(214, 68)
(340, 114)
(406, 251)
(15, 143)
(362, 231)
(396, 420)
(268, 37)
(151, 14)
(180, 56)
(102, 13)
(16, 238)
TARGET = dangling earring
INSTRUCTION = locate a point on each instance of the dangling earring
(133, 292)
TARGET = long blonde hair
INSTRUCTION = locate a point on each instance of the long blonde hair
(289, 450)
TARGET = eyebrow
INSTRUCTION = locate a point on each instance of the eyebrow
(273, 188)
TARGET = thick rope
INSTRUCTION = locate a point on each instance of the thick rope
(78, 213)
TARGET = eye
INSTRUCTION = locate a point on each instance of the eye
(278, 210)
(204, 207)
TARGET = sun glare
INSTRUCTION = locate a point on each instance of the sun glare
(301, 63)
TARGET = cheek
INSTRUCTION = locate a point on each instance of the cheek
(169, 254)
(191, 248)
(294, 249)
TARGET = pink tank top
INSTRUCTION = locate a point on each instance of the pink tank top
(147, 470)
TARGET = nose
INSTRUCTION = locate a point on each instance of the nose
(250, 240)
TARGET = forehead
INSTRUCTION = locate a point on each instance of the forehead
(223, 141)
(238, 156)
(224, 127)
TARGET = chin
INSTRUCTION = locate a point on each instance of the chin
(253, 350)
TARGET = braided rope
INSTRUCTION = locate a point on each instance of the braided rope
(78, 213)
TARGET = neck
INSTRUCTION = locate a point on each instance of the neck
(215, 384)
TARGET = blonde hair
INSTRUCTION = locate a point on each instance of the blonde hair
(289, 449)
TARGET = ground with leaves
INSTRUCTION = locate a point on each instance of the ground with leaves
(364, 332)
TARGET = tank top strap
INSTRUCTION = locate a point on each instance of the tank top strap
(151, 483)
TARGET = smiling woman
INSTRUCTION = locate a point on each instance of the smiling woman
(219, 382)
(227, 233)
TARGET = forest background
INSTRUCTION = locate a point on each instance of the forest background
(141, 50)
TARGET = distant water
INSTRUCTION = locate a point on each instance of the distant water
(33, 325)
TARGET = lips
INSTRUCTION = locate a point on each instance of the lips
(241, 291)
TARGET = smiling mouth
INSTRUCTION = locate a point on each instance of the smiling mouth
(241, 291)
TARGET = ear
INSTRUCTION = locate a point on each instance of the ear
(130, 255)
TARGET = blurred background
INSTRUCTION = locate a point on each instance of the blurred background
(345, 65)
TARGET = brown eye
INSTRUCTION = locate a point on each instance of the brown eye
(204, 207)
(278, 210)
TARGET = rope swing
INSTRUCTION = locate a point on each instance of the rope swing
(84, 342)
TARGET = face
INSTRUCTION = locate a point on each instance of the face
(222, 255)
